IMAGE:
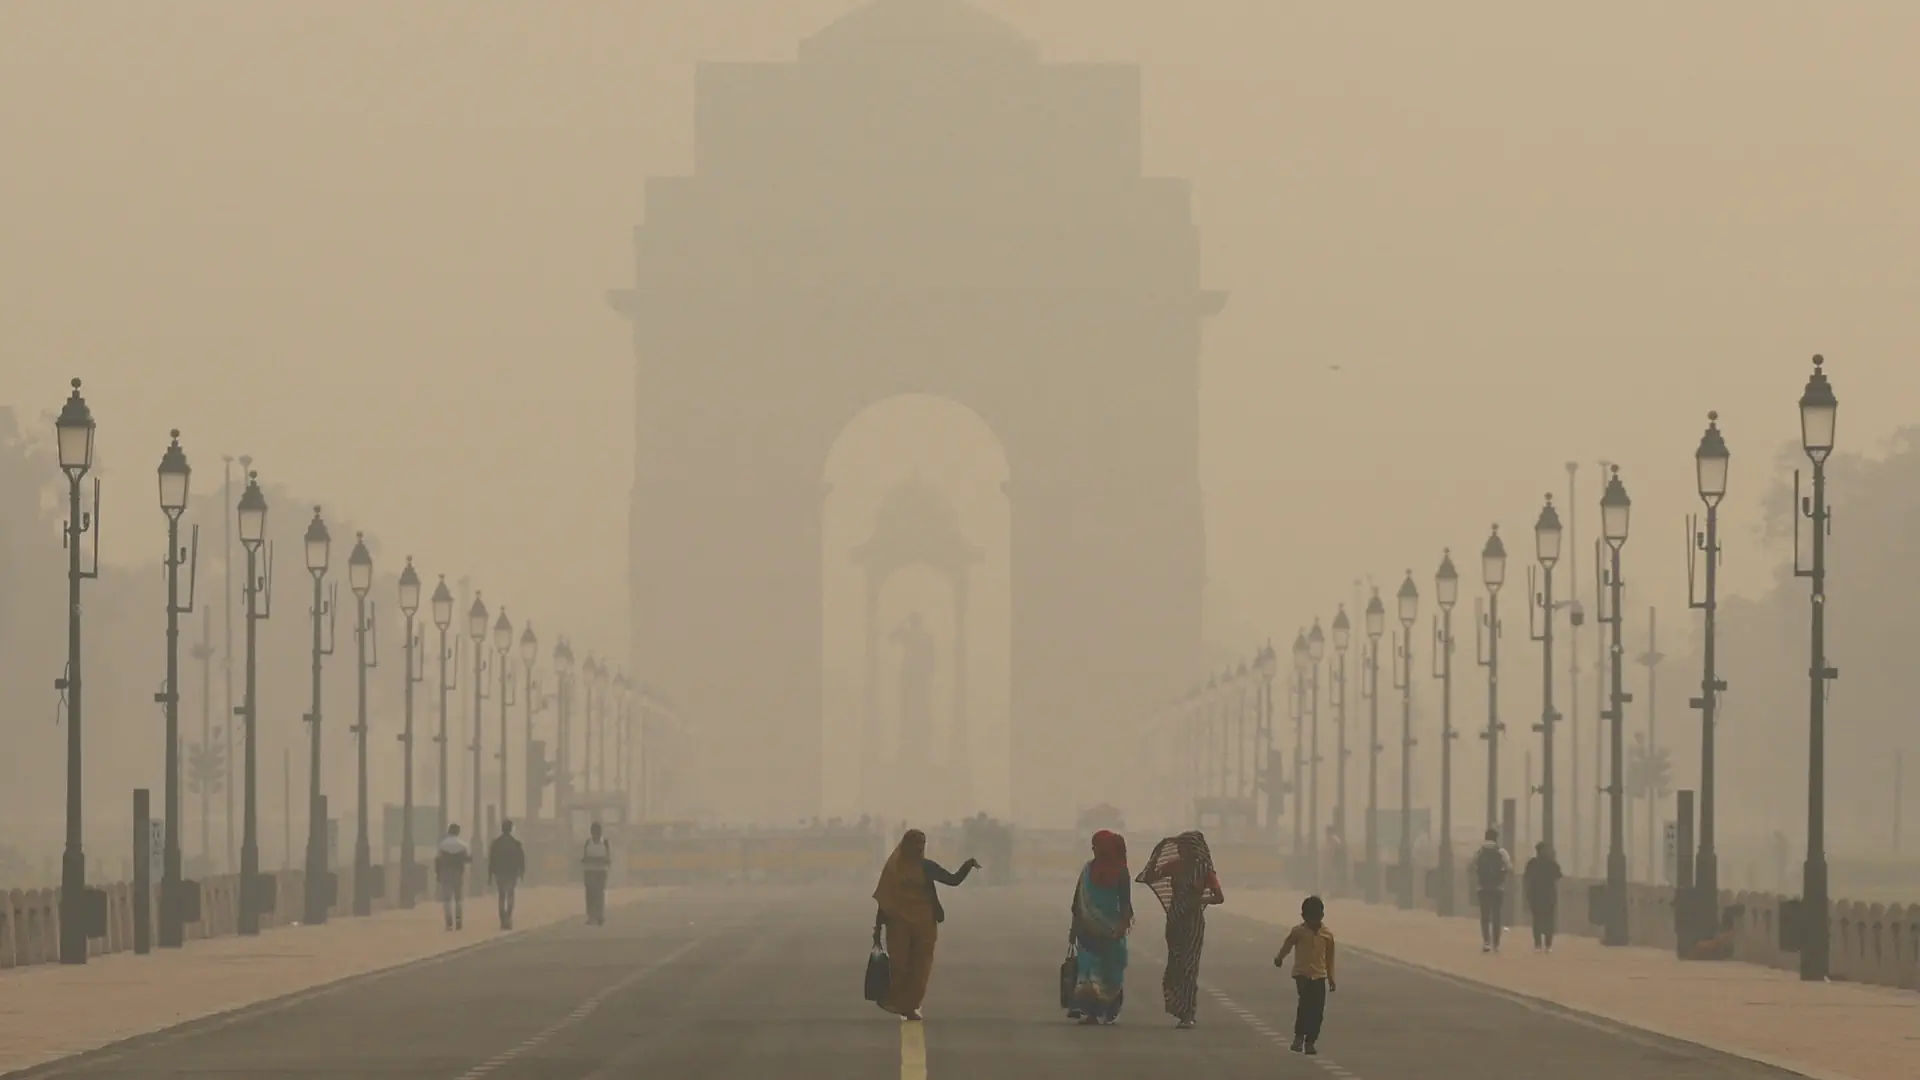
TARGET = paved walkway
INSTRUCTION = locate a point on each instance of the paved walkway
(1837, 1031)
(50, 1011)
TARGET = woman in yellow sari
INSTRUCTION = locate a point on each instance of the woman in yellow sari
(910, 915)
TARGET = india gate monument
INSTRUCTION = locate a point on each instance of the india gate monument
(919, 203)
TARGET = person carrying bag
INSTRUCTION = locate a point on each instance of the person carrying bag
(879, 971)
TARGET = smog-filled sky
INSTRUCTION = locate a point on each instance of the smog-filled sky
(1524, 238)
(371, 244)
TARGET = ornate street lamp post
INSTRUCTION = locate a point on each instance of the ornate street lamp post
(1409, 609)
(175, 479)
(74, 436)
(1710, 475)
(1376, 619)
(365, 635)
(1547, 536)
(477, 630)
(1614, 510)
(258, 594)
(1342, 638)
(1301, 660)
(1493, 571)
(1268, 664)
(503, 647)
(1818, 411)
(443, 621)
(1316, 651)
(622, 750)
(320, 883)
(409, 607)
(602, 674)
(529, 653)
(589, 674)
(563, 724)
(1446, 591)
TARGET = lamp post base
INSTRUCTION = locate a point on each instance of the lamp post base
(250, 879)
(1615, 931)
(319, 891)
(1706, 883)
(406, 873)
(362, 879)
(1814, 940)
(171, 933)
(73, 899)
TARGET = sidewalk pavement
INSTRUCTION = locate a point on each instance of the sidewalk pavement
(51, 1011)
(1828, 1031)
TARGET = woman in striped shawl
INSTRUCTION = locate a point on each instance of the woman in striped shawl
(1181, 874)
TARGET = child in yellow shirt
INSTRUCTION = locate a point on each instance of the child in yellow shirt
(1311, 944)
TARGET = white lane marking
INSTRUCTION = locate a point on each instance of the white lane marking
(581, 1012)
(1326, 1064)
(913, 1051)
(1252, 1020)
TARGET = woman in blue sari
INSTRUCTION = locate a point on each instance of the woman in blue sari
(1102, 915)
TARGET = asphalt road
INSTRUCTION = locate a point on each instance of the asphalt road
(755, 985)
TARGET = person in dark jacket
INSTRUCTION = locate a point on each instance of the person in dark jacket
(506, 865)
(909, 914)
(1541, 882)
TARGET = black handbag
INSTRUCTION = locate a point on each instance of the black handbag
(1069, 975)
(879, 975)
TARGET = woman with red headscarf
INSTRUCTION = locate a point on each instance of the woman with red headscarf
(1102, 915)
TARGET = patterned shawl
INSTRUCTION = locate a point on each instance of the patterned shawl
(1166, 865)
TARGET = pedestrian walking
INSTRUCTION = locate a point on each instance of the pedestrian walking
(1102, 917)
(1180, 873)
(506, 865)
(596, 859)
(1491, 869)
(908, 912)
(450, 871)
(1311, 944)
(1541, 883)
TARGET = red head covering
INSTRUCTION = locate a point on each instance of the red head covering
(1109, 867)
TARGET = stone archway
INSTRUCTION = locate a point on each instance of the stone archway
(916, 526)
(918, 205)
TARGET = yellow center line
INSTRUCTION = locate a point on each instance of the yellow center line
(913, 1051)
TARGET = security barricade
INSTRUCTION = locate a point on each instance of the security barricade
(684, 860)
(1050, 854)
(804, 859)
(1250, 863)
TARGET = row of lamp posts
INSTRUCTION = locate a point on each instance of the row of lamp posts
(1818, 409)
(82, 910)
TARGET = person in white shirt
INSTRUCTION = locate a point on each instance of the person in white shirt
(595, 860)
(450, 870)
(1491, 868)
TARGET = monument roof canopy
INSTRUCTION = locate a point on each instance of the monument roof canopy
(889, 29)
(916, 524)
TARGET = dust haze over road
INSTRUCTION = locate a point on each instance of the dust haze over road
(763, 428)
